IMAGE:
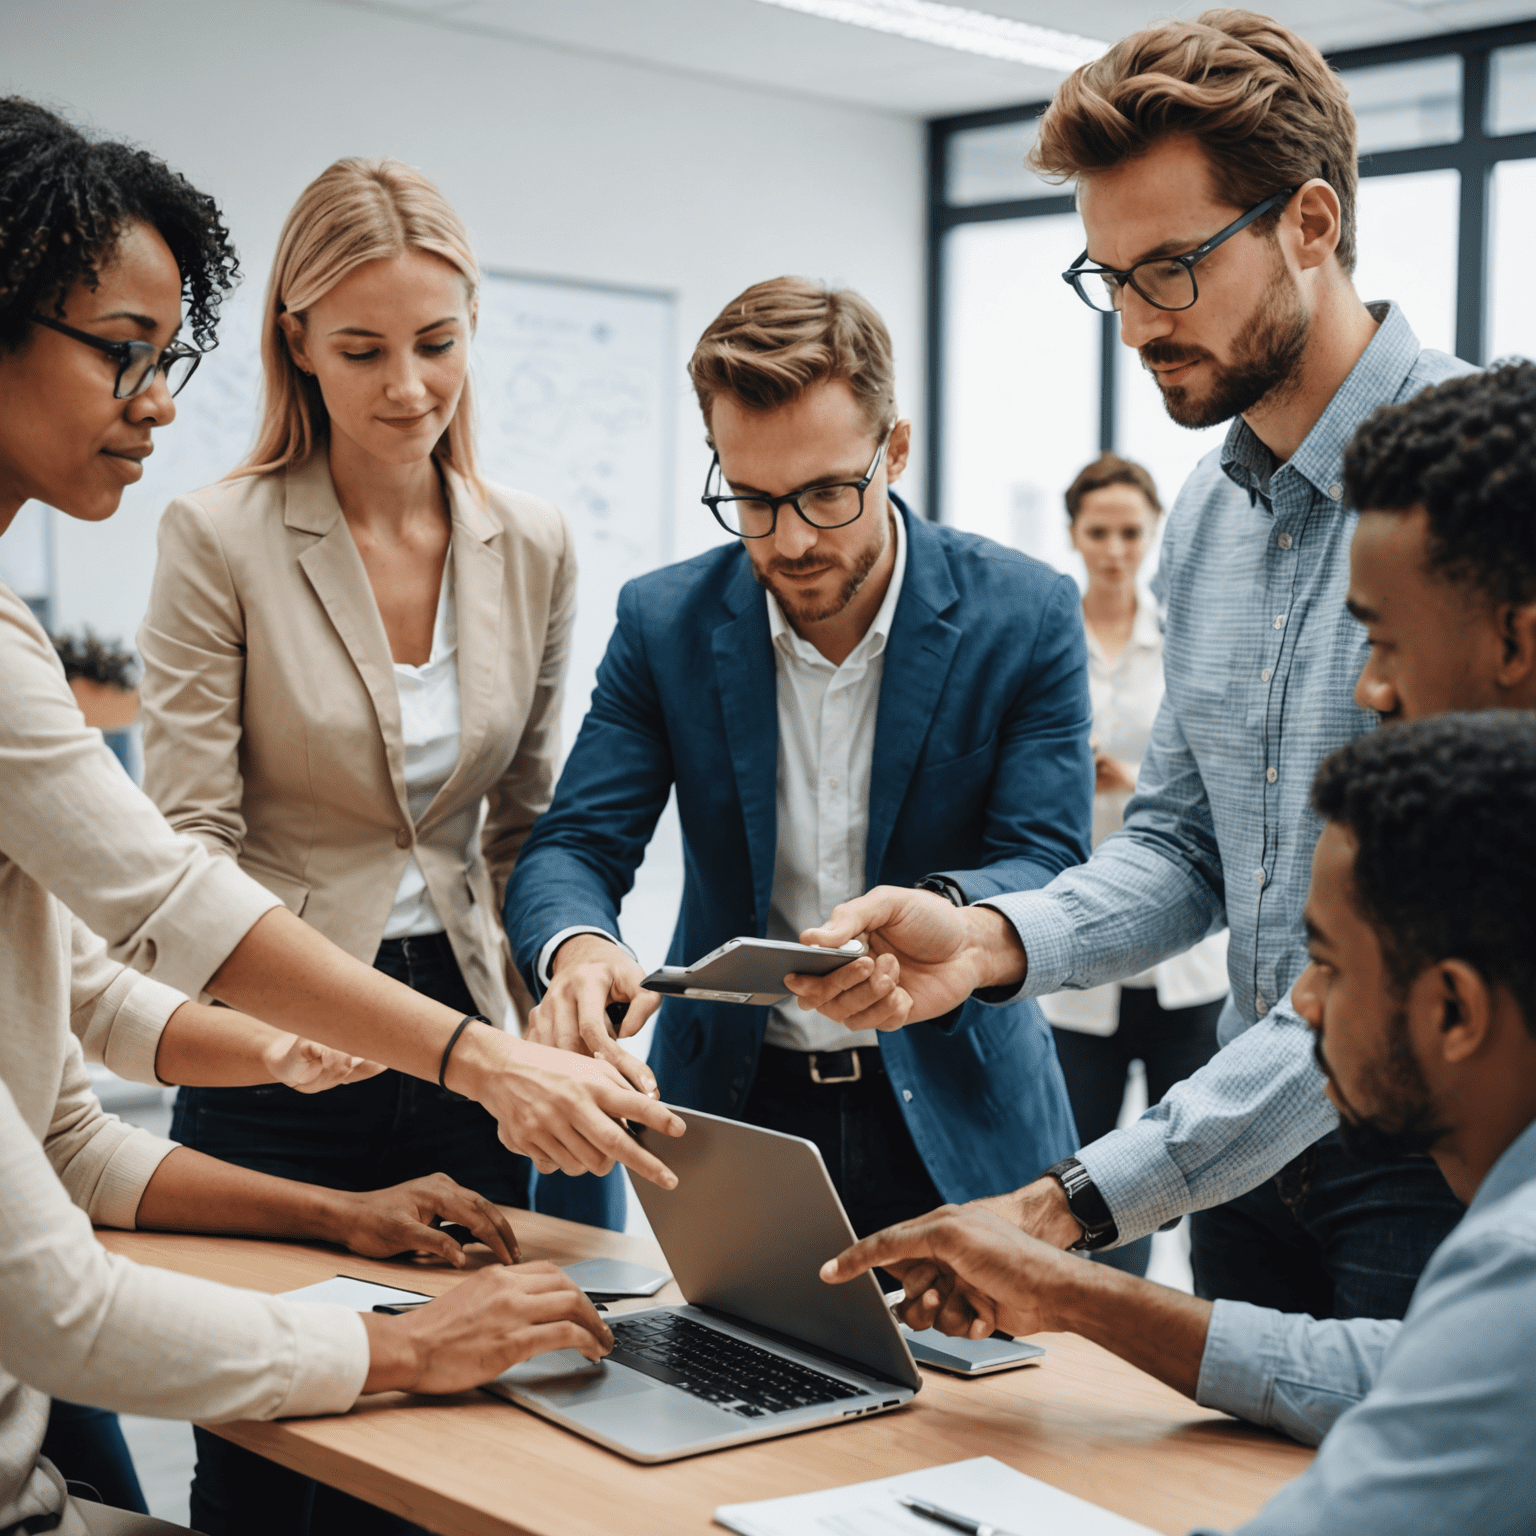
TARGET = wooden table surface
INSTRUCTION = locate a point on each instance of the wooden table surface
(474, 1465)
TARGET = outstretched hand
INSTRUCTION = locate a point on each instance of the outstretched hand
(483, 1326)
(309, 1067)
(407, 1218)
(591, 974)
(926, 957)
(965, 1271)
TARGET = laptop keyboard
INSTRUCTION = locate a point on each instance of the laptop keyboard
(721, 1369)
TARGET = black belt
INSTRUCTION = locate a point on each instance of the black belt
(825, 1068)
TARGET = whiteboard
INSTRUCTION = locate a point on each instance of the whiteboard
(575, 404)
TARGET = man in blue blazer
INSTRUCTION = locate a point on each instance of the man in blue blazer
(903, 704)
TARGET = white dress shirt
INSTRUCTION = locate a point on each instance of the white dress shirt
(1126, 693)
(429, 729)
(826, 753)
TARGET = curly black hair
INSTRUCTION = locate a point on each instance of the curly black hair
(64, 202)
(1443, 812)
(1465, 451)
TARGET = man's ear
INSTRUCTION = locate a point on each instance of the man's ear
(1462, 1010)
(1316, 207)
(1517, 630)
(293, 333)
(899, 451)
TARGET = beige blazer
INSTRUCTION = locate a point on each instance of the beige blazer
(272, 721)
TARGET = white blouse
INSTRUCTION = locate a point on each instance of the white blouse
(1126, 693)
(429, 728)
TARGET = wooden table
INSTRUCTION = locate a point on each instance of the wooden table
(473, 1465)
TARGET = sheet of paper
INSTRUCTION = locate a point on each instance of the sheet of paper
(360, 1295)
(982, 1488)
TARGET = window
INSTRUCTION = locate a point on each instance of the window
(1512, 316)
(1418, 272)
(1405, 106)
(1025, 385)
(1512, 91)
(1023, 365)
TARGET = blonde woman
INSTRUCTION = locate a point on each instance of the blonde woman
(354, 656)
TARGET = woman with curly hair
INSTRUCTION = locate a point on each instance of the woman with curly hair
(100, 247)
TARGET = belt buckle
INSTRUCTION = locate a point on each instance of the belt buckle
(848, 1077)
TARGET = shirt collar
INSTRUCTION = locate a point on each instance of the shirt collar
(1515, 1167)
(1378, 375)
(873, 642)
(1146, 629)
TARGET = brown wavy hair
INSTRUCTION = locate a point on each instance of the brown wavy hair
(1110, 469)
(1261, 101)
(353, 212)
(771, 343)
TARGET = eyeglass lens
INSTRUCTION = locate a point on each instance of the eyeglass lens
(823, 506)
(138, 373)
(1167, 284)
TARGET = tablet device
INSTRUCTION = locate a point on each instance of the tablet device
(749, 971)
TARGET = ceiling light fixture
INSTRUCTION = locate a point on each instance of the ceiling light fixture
(956, 26)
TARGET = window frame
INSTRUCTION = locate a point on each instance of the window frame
(1474, 156)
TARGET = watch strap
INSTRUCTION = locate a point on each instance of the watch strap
(942, 885)
(1086, 1203)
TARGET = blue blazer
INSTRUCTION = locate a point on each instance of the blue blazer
(982, 771)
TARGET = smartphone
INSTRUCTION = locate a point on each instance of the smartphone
(969, 1357)
(749, 971)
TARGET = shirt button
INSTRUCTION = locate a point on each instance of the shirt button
(1284, 541)
(1265, 675)
(402, 838)
(1279, 621)
(1260, 1007)
(1262, 877)
(906, 1094)
(831, 783)
(1271, 774)
(1335, 490)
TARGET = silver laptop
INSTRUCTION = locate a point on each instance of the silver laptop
(762, 1347)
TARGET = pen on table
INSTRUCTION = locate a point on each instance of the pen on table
(399, 1308)
(948, 1517)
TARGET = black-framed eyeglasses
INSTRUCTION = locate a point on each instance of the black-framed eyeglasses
(834, 505)
(137, 361)
(1165, 282)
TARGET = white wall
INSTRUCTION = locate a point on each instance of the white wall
(561, 163)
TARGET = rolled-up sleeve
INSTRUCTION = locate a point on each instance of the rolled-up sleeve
(1287, 1371)
(116, 1014)
(80, 1323)
(72, 820)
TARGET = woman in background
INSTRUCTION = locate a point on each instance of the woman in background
(1167, 1016)
(353, 663)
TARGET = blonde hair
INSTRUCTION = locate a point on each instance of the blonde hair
(778, 338)
(356, 211)
(1260, 101)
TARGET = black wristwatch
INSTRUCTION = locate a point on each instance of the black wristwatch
(1086, 1204)
(942, 885)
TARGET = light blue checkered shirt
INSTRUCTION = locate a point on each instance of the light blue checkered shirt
(1261, 658)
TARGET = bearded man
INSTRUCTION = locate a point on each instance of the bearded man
(1214, 162)
(843, 694)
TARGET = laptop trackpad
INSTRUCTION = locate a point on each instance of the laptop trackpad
(665, 1422)
(565, 1378)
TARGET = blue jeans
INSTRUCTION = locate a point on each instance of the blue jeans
(360, 1136)
(87, 1446)
(1327, 1235)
